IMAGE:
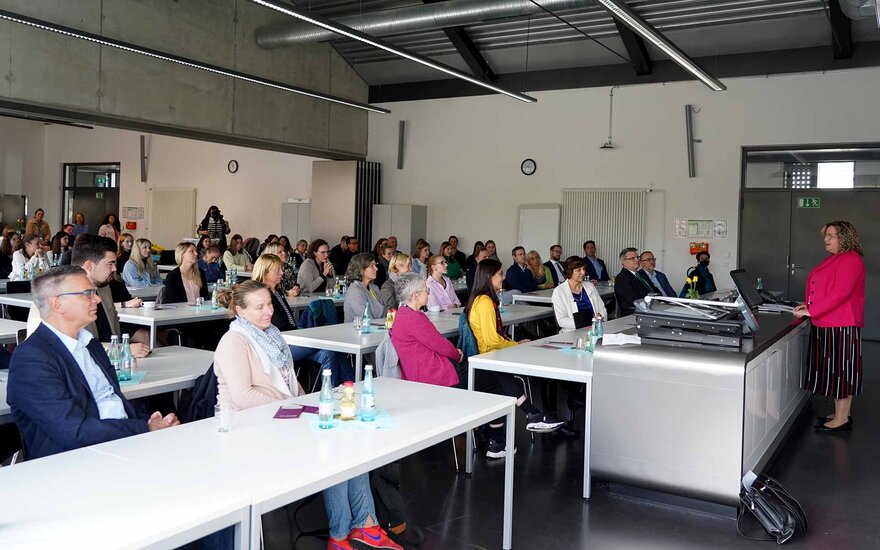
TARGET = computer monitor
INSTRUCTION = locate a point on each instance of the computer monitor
(746, 288)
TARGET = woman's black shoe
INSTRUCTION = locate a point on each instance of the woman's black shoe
(567, 431)
(845, 427)
(820, 420)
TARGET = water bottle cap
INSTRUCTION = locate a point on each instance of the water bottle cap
(326, 372)
(368, 367)
(125, 336)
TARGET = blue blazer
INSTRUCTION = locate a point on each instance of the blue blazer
(51, 401)
(591, 271)
(661, 278)
(520, 280)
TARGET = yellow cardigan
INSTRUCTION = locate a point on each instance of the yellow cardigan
(482, 322)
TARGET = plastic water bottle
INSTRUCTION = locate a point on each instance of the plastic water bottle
(501, 301)
(113, 355)
(215, 296)
(593, 335)
(368, 396)
(325, 401)
(367, 319)
(125, 359)
(234, 278)
(598, 326)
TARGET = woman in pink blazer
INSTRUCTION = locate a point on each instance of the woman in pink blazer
(835, 302)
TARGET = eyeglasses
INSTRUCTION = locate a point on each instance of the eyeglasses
(442, 262)
(630, 259)
(88, 293)
(648, 259)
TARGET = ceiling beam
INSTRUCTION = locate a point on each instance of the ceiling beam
(841, 31)
(468, 50)
(635, 48)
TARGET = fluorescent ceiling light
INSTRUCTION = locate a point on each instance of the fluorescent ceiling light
(98, 39)
(622, 13)
(388, 47)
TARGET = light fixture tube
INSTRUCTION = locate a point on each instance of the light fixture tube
(98, 39)
(388, 47)
(622, 13)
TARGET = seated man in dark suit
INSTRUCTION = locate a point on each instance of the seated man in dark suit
(596, 269)
(518, 275)
(62, 389)
(629, 287)
(656, 278)
(554, 264)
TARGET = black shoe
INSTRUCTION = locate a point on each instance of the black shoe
(411, 536)
(498, 449)
(821, 420)
(845, 427)
(567, 431)
(542, 423)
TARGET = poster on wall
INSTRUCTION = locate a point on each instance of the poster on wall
(684, 228)
(133, 212)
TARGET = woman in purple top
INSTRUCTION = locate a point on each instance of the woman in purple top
(440, 286)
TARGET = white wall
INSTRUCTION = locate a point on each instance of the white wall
(249, 199)
(463, 155)
(22, 144)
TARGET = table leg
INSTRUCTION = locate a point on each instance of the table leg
(588, 404)
(358, 364)
(256, 530)
(469, 440)
(508, 480)
(243, 532)
(153, 336)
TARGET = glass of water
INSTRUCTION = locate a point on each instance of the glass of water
(358, 324)
(223, 413)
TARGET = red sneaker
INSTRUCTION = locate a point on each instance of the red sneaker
(334, 544)
(370, 538)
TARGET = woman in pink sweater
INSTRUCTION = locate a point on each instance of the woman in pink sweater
(835, 302)
(425, 355)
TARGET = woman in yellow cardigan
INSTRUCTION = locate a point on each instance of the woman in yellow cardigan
(484, 319)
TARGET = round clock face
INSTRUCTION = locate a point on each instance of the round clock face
(528, 167)
(232, 166)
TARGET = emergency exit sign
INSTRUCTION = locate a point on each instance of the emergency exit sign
(808, 202)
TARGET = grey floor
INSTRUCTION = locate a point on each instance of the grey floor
(835, 477)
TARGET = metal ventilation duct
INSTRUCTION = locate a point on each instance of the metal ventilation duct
(452, 13)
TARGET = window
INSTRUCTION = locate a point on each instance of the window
(836, 175)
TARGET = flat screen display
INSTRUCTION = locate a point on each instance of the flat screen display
(746, 288)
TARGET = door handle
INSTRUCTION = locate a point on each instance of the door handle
(795, 266)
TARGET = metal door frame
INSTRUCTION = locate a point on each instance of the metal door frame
(65, 187)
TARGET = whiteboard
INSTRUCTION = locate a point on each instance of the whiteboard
(539, 228)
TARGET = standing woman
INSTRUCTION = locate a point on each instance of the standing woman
(110, 227)
(835, 303)
(186, 282)
(140, 271)
(214, 226)
(123, 248)
(440, 290)
(79, 224)
(317, 269)
(362, 271)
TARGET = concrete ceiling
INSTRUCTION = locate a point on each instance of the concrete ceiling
(702, 28)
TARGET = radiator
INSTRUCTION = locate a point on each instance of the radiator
(614, 218)
(172, 215)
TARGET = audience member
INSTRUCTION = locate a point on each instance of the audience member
(37, 226)
(299, 253)
(518, 275)
(349, 253)
(420, 256)
(28, 257)
(110, 228)
(186, 282)
(383, 263)
(539, 272)
(628, 286)
(62, 390)
(79, 224)
(317, 269)
(596, 269)
(284, 241)
(362, 290)
(271, 239)
(214, 226)
(456, 253)
(493, 253)
(68, 228)
(576, 301)
(655, 278)
(60, 245)
(471, 260)
(123, 248)
(11, 243)
(454, 269)
(252, 245)
(392, 242)
(480, 255)
(557, 270)
(211, 265)
(705, 281)
(203, 244)
(441, 292)
(236, 257)
(399, 264)
(140, 271)
(287, 285)
(337, 252)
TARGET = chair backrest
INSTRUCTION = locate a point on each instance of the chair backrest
(320, 312)
(202, 399)
(18, 287)
(387, 360)
(20, 335)
(166, 257)
(467, 342)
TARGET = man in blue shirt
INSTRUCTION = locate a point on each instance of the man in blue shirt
(518, 275)
(647, 272)
(596, 269)
(62, 389)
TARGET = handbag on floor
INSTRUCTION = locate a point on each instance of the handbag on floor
(772, 505)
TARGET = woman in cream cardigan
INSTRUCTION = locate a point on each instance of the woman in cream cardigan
(254, 367)
(576, 301)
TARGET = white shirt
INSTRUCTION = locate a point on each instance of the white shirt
(559, 271)
(109, 403)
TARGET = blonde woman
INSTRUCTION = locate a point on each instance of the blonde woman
(539, 271)
(399, 264)
(186, 282)
(288, 278)
(140, 271)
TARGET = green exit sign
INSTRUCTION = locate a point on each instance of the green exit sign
(101, 181)
(808, 202)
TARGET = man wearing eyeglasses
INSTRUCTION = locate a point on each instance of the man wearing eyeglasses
(656, 278)
(628, 286)
(62, 389)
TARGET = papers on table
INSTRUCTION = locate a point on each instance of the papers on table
(619, 339)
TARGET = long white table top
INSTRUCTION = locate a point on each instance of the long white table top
(168, 369)
(165, 268)
(170, 314)
(8, 330)
(606, 290)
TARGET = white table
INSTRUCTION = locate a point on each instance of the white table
(302, 301)
(344, 339)
(606, 290)
(166, 268)
(170, 314)
(168, 369)
(89, 499)
(529, 359)
(21, 299)
(145, 293)
(9, 329)
(276, 462)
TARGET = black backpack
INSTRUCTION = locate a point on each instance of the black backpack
(202, 399)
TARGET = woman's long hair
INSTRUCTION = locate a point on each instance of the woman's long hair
(115, 223)
(143, 265)
(179, 251)
(483, 282)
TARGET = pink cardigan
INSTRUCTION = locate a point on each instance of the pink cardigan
(443, 297)
(835, 293)
(424, 353)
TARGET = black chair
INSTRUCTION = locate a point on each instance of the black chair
(166, 257)
(17, 287)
